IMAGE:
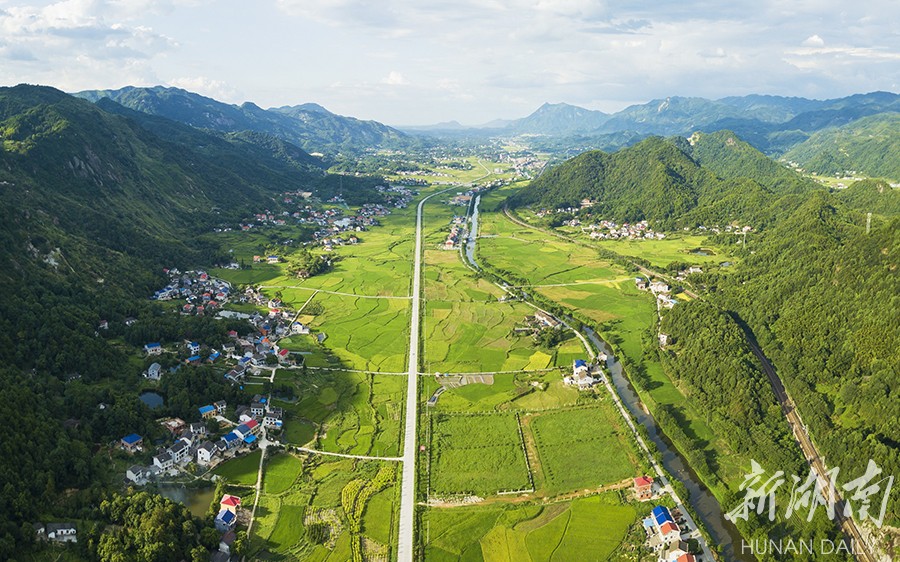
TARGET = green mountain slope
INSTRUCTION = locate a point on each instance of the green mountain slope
(662, 180)
(872, 196)
(309, 126)
(870, 145)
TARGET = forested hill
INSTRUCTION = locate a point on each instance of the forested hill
(872, 196)
(821, 296)
(93, 204)
(309, 126)
(870, 146)
(666, 181)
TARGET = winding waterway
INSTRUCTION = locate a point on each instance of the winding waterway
(723, 532)
(473, 234)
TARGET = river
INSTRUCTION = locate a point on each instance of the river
(473, 234)
(707, 507)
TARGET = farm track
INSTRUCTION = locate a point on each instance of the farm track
(346, 455)
(300, 287)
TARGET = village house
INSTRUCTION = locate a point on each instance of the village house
(643, 488)
(153, 348)
(581, 375)
(175, 425)
(225, 521)
(273, 418)
(207, 412)
(677, 552)
(546, 319)
(205, 453)
(61, 532)
(197, 428)
(257, 409)
(163, 460)
(154, 372)
(659, 287)
(220, 406)
(132, 443)
(180, 451)
(641, 283)
(661, 528)
(228, 441)
(137, 474)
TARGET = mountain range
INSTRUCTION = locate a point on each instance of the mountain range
(309, 126)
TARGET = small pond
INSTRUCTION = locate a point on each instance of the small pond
(152, 399)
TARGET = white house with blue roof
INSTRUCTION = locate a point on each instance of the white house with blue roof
(154, 348)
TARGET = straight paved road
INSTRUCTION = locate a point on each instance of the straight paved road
(407, 540)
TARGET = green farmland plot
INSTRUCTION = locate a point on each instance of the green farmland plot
(362, 333)
(352, 413)
(584, 447)
(589, 529)
(329, 510)
(476, 454)
(242, 470)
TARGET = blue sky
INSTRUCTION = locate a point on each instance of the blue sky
(422, 61)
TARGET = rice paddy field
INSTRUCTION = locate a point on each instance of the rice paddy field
(589, 529)
(324, 509)
(476, 454)
(341, 412)
(467, 329)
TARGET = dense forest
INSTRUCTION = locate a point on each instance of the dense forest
(822, 298)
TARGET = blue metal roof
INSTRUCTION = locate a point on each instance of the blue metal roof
(206, 409)
(229, 437)
(580, 363)
(131, 439)
(225, 516)
(250, 439)
(661, 515)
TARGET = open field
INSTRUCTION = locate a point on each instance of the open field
(476, 454)
(509, 391)
(463, 314)
(243, 470)
(353, 413)
(327, 511)
(588, 529)
(583, 448)
(365, 334)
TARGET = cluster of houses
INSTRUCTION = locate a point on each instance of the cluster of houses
(609, 230)
(201, 293)
(192, 443)
(661, 289)
(461, 199)
(456, 231)
(664, 529)
(59, 533)
(191, 349)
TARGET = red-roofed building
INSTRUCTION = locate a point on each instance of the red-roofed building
(686, 557)
(643, 488)
(229, 502)
(669, 531)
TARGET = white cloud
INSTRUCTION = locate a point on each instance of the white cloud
(394, 78)
(813, 41)
(216, 89)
